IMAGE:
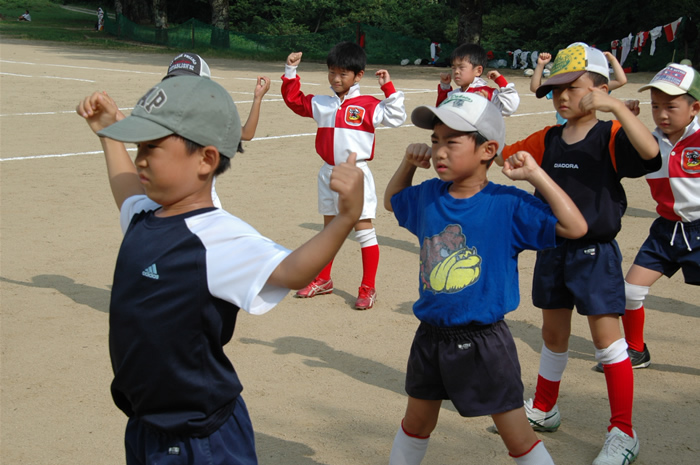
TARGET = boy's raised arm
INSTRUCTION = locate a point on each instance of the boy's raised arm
(536, 79)
(303, 264)
(620, 76)
(100, 111)
(251, 124)
(641, 138)
(571, 224)
(417, 155)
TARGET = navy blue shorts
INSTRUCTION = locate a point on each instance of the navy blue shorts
(474, 366)
(584, 274)
(658, 254)
(232, 444)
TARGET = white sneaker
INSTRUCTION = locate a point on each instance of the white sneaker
(546, 422)
(619, 449)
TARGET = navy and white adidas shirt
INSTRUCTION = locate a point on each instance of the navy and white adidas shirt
(178, 285)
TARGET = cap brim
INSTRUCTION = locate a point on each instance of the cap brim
(181, 72)
(424, 117)
(563, 78)
(135, 129)
(664, 87)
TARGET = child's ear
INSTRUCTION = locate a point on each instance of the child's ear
(695, 108)
(210, 160)
(359, 75)
(479, 70)
(489, 149)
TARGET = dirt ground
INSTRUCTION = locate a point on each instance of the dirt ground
(323, 382)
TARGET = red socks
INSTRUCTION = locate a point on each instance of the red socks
(546, 394)
(620, 381)
(370, 263)
(633, 322)
(325, 273)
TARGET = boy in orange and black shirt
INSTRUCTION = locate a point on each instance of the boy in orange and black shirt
(587, 158)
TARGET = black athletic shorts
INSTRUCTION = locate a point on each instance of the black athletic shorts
(474, 366)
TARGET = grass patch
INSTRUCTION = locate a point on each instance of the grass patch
(51, 22)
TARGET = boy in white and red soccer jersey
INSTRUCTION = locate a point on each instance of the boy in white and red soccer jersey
(674, 237)
(346, 123)
(468, 62)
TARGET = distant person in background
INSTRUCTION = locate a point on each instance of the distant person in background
(25, 17)
(468, 62)
(100, 25)
(435, 51)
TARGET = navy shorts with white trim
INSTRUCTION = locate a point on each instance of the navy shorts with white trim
(658, 254)
(474, 366)
(584, 274)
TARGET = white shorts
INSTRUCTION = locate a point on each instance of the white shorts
(328, 200)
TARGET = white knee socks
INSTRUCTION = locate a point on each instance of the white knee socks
(538, 455)
(407, 450)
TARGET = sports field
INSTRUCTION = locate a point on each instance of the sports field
(323, 382)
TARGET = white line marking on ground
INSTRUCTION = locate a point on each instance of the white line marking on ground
(46, 77)
(91, 68)
(75, 154)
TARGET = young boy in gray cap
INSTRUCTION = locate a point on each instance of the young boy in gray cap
(185, 268)
(470, 233)
(191, 64)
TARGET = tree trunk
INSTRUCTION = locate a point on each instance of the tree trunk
(220, 21)
(118, 11)
(160, 20)
(138, 11)
(469, 23)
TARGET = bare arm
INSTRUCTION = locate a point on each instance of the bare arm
(100, 111)
(571, 223)
(304, 263)
(417, 155)
(536, 79)
(251, 124)
(620, 76)
(640, 137)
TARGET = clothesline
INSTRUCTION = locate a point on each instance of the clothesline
(638, 41)
(620, 48)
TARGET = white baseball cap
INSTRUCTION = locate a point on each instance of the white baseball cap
(467, 112)
(676, 79)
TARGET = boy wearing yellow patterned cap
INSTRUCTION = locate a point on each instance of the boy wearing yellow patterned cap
(587, 158)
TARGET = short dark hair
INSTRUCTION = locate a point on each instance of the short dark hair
(224, 161)
(473, 53)
(347, 55)
(598, 79)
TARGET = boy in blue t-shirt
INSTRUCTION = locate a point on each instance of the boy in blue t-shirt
(185, 268)
(471, 232)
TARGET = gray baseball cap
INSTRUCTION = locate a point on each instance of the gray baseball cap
(466, 112)
(192, 107)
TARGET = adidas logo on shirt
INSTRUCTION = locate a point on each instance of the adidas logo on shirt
(151, 272)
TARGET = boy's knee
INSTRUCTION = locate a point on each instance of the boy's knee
(635, 295)
(556, 341)
(614, 353)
